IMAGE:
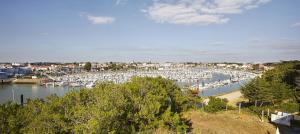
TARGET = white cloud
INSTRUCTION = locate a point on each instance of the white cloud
(181, 14)
(119, 2)
(198, 12)
(99, 19)
(296, 24)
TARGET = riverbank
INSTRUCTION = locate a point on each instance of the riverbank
(27, 81)
(233, 97)
(5, 81)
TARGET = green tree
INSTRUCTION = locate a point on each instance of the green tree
(216, 104)
(88, 66)
(279, 86)
(141, 105)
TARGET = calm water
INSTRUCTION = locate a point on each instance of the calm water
(8, 92)
(222, 90)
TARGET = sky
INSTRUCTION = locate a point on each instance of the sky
(149, 30)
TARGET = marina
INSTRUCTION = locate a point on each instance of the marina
(199, 78)
(208, 82)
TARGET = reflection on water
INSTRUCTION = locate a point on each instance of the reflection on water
(35, 87)
(8, 92)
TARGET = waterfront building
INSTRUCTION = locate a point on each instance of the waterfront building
(3, 75)
(16, 71)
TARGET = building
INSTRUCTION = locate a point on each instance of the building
(22, 71)
(3, 75)
(16, 71)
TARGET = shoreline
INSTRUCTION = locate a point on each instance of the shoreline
(229, 92)
(27, 81)
(231, 95)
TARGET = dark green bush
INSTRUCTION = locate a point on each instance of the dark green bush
(215, 105)
(140, 105)
(289, 107)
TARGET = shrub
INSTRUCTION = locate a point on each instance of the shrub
(215, 105)
(289, 107)
(140, 105)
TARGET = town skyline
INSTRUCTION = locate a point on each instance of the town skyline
(152, 30)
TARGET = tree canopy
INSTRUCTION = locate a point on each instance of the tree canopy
(276, 86)
(88, 66)
(141, 105)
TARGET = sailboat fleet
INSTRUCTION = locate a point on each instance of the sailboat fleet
(234, 76)
(194, 77)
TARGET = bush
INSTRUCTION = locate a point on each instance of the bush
(139, 105)
(215, 105)
(257, 110)
(289, 107)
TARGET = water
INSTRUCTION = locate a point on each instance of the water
(13, 91)
(221, 90)
(8, 92)
(215, 77)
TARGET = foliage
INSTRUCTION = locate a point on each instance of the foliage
(277, 86)
(9, 119)
(289, 107)
(283, 107)
(258, 110)
(216, 104)
(88, 66)
(190, 100)
(141, 105)
(115, 67)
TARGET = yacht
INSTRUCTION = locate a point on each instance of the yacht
(90, 85)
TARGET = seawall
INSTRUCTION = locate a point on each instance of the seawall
(27, 81)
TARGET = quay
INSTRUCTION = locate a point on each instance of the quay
(27, 81)
(5, 81)
(4, 78)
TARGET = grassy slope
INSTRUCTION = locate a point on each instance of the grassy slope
(228, 122)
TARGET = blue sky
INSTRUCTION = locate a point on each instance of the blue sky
(143, 30)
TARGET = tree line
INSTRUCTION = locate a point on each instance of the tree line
(278, 88)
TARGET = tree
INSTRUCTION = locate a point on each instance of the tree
(216, 104)
(140, 105)
(278, 86)
(88, 66)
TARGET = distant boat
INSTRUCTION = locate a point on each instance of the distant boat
(75, 85)
(50, 84)
(62, 83)
(90, 85)
(235, 80)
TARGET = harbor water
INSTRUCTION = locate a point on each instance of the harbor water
(12, 92)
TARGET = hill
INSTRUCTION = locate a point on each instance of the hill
(228, 122)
